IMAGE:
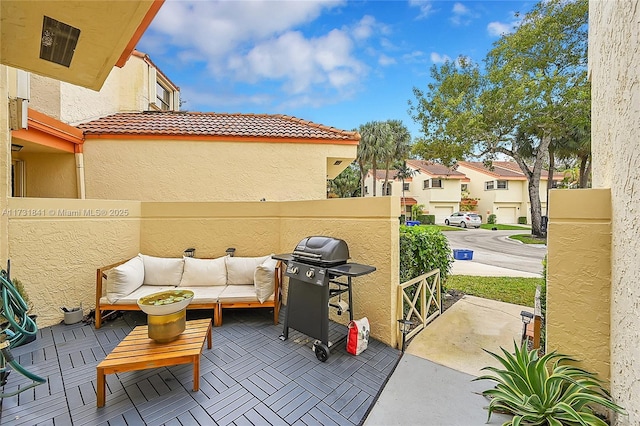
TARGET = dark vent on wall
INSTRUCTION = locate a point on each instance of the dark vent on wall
(58, 42)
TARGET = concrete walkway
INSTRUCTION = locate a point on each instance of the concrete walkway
(432, 384)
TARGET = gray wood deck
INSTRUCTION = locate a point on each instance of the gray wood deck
(249, 377)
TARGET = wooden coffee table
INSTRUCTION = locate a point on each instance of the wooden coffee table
(138, 352)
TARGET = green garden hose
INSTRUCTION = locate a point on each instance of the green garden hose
(20, 326)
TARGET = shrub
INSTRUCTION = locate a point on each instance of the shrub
(536, 394)
(423, 250)
(522, 220)
(427, 219)
(491, 219)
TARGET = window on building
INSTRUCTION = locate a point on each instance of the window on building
(489, 185)
(436, 183)
(163, 97)
(464, 187)
(366, 189)
(386, 189)
(425, 184)
(405, 186)
(554, 183)
(503, 184)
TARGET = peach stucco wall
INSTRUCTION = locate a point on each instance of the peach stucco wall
(56, 247)
(5, 163)
(614, 64)
(579, 277)
(49, 175)
(183, 170)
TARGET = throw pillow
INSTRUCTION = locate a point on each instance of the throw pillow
(162, 270)
(264, 280)
(204, 272)
(240, 270)
(124, 279)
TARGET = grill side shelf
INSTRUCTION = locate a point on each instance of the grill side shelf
(351, 270)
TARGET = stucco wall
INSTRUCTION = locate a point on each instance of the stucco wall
(55, 246)
(614, 62)
(579, 277)
(182, 170)
(125, 89)
(5, 163)
(50, 175)
(369, 226)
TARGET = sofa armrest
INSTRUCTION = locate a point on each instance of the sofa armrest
(101, 274)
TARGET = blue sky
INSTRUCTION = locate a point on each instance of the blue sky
(337, 63)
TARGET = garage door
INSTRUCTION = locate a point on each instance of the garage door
(442, 213)
(506, 215)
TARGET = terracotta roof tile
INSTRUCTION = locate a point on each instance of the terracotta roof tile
(435, 169)
(505, 170)
(171, 123)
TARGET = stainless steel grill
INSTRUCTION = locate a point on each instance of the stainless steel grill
(315, 270)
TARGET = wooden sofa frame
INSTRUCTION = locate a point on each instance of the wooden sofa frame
(216, 307)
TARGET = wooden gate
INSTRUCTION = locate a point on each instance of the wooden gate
(420, 301)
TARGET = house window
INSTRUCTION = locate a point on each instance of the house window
(163, 97)
(366, 189)
(554, 183)
(405, 186)
(386, 189)
(464, 187)
(489, 185)
(425, 184)
(436, 183)
(502, 184)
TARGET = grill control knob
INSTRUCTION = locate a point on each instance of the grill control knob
(294, 270)
(310, 274)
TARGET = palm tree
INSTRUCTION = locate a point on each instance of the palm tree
(404, 172)
(397, 146)
(374, 137)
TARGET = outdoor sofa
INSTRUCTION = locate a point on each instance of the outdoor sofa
(224, 282)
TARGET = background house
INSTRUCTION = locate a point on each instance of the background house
(435, 186)
(503, 190)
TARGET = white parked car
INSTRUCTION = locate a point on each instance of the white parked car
(464, 219)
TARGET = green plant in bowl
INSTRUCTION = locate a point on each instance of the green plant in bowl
(165, 302)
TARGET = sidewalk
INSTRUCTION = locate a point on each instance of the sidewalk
(432, 382)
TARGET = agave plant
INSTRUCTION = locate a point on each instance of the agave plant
(561, 394)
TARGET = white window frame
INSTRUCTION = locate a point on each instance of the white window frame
(502, 184)
(489, 185)
(439, 183)
(163, 97)
(405, 186)
(425, 184)
(387, 189)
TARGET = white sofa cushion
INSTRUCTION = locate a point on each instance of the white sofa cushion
(204, 272)
(239, 294)
(162, 270)
(240, 270)
(205, 294)
(144, 290)
(263, 279)
(124, 279)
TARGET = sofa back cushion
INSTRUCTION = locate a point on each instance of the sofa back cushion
(125, 279)
(162, 270)
(204, 272)
(240, 270)
(264, 279)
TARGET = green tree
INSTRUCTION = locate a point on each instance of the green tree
(533, 78)
(347, 183)
(399, 145)
(375, 136)
(404, 172)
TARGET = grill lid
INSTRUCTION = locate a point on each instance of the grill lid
(322, 250)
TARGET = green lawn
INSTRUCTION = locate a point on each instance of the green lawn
(500, 227)
(519, 291)
(442, 227)
(528, 239)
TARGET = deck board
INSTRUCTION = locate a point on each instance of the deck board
(248, 377)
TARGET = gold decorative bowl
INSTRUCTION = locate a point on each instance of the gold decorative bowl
(165, 302)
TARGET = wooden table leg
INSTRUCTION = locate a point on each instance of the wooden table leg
(196, 373)
(101, 388)
(209, 337)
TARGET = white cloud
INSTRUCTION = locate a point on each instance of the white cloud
(496, 29)
(462, 15)
(437, 58)
(385, 60)
(258, 42)
(425, 6)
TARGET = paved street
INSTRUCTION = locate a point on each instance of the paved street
(495, 249)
